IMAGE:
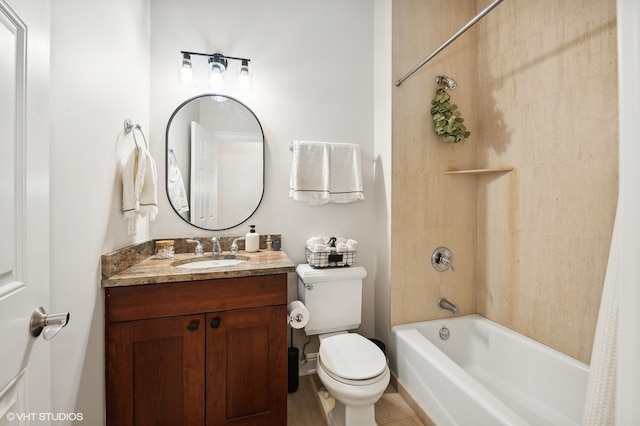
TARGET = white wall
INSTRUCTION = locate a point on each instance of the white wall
(383, 87)
(313, 64)
(313, 80)
(99, 77)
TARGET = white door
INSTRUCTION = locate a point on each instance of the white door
(25, 375)
(204, 178)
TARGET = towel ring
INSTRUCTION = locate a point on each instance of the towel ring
(130, 127)
(172, 157)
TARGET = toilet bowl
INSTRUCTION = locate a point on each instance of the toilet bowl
(355, 372)
(352, 368)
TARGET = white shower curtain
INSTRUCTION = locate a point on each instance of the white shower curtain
(614, 379)
(600, 401)
(628, 377)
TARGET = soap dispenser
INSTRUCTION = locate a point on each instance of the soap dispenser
(252, 240)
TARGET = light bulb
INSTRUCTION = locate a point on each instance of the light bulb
(216, 73)
(244, 77)
(216, 81)
(185, 70)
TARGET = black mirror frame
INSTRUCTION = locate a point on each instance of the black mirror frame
(166, 170)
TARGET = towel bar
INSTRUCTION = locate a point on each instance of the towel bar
(130, 127)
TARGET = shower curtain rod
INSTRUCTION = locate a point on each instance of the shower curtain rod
(448, 42)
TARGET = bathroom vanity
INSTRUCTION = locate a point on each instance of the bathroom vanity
(197, 346)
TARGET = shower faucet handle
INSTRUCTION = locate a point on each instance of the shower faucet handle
(446, 261)
(442, 259)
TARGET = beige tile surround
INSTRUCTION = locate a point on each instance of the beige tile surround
(537, 86)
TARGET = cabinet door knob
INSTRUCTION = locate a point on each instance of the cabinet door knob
(215, 323)
(193, 325)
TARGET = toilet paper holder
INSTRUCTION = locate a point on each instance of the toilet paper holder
(297, 314)
(296, 318)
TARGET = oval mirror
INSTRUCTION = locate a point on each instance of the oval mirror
(214, 162)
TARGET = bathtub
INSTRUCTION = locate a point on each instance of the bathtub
(486, 374)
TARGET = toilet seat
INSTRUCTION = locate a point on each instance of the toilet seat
(352, 359)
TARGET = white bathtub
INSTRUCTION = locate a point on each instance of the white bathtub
(486, 374)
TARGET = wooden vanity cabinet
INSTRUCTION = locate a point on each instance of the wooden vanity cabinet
(207, 352)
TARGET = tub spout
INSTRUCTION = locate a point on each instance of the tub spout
(445, 304)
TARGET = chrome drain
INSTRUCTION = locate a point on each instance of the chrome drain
(444, 333)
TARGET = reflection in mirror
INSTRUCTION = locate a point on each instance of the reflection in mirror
(214, 162)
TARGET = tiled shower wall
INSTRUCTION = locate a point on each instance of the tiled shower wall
(431, 209)
(537, 86)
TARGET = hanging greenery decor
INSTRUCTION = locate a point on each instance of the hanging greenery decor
(446, 117)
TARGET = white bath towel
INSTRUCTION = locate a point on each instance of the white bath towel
(323, 172)
(346, 173)
(139, 186)
(176, 189)
(132, 180)
(309, 178)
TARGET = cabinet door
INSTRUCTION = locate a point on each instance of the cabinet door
(246, 366)
(155, 372)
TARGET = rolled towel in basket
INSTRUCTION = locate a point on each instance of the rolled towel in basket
(321, 244)
(314, 241)
(347, 245)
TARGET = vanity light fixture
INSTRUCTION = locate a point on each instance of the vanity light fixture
(217, 66)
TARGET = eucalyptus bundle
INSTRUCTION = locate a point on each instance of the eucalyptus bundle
(446, 117)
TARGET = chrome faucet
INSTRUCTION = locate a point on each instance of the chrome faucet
(234, 245)
(215, 242)
(199, 251)
(442, 259)
(445, 304)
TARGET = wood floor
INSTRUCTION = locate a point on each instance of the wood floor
(304, 407)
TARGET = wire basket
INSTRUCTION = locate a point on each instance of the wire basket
(326, 259)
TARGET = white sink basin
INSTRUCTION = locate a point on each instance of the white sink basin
(205, 263)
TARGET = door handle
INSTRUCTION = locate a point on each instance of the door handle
(49, 323)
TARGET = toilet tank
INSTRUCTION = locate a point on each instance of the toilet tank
(333, 297)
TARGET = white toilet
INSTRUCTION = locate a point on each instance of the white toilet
(352, 368)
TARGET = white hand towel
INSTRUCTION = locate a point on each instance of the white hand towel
(149, 194)
(346, 173)
(309, 178)
(132, 180)
(139, 186)
(176, 189)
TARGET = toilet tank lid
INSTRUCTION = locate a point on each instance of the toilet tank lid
(313, 275)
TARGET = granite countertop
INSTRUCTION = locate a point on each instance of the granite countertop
(151, 270)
